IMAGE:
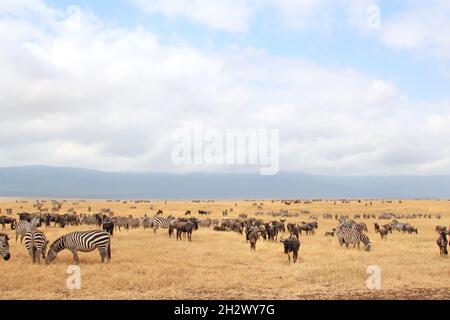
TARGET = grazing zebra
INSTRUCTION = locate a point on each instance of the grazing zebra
(161, 222)
(23, 226)
(84, 241)
(121, 222)
(352, 236)
(36, 244)
(4, 246)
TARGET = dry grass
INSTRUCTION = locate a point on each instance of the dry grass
(220, 265)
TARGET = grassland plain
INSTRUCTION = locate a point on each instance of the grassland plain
(220, 265)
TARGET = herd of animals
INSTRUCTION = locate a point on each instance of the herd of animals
(348, 231)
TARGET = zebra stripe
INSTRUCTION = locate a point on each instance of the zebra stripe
(121, 222)
(23, 226)
(84, 241)
(352, 236)
(161, 222)
(4, 246)
(36, 244)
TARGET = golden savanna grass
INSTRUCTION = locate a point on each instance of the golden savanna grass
(220, 265)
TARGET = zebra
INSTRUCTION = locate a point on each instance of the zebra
(352, 236)
(23, 226)
(36, 245)
(4, 246)
(121, 222)
(161, 222)
(84, 241)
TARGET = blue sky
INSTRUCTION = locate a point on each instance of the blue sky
(103, 84)
(343, 46)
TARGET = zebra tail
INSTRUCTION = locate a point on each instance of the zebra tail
(33, 249)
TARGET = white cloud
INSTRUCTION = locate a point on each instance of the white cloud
(227, 15)
(77, 92)
(424, 27)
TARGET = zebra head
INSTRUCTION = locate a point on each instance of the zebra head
(44, 249)
(4, 247)
(36, 221)
(52, 252)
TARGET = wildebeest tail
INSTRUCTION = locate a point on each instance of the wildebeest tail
(108, 250)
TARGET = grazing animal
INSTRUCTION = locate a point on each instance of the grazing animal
(442, 243)
(4, 247)
(23, 226)
(291, 244)
(253, 237)
(6, 220)
(329, 234)
(353, 236)
(84, 241)
(188, 228)
(108, 225)
(161, 222)
(36, 244)
(293, 229)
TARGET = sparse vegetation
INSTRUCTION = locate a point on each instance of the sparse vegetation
(148, 265)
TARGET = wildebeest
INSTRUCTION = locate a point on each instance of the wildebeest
(440, 229)
(187, 227)
(6, 220)
(442, 243)
(203, 212)
(291, 244)
(293, 229)
(253, 237)
(107, 224)
(330, 233)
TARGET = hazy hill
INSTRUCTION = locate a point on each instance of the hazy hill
(42, 181)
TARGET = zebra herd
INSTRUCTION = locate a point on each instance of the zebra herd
(348, 232)
(36, 242)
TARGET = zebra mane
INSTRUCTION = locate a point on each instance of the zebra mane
(59, 244)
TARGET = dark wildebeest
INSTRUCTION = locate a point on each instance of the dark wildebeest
(6, 220)
(440, 229)
(187, 213)
(442, 243)
(25, 216)
(293, 229)
(329, 233)
(291, 244)
(271, 231)
(108, 225)
(253, 237)
(187, 227)
(203, 212)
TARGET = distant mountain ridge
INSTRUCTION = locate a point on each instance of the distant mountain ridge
(58, 182)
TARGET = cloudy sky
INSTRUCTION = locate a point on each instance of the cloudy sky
(102, 84)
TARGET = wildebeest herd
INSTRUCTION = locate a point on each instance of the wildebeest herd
(347, 231)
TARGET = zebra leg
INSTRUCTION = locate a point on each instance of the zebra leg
(21, 238)
(38, 257)
(102, 252)
(76, 260)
